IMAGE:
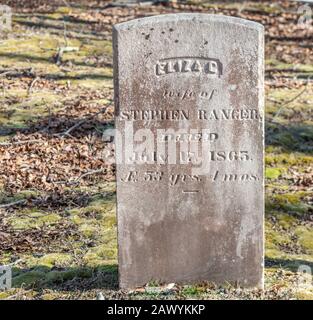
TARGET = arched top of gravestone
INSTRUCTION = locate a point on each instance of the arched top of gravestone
(193, 17)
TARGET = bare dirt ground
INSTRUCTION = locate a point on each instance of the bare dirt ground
(57, 193)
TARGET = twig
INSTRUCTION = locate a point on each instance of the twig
(15, 203)
(64, 33)
(88, 173)
(67, 132)
(293, 70)
(3, 88)
(241, 8)
(49, 119)
(66, 4)
(15, 262)
(61, 50)
(6, 144)
(29, 72)
(76, 125)
(287, 103)
(2, 74)
(19, 294)
(29, 91)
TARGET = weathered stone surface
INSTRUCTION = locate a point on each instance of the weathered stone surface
(195, 213)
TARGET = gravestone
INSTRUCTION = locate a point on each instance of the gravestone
(189, 149)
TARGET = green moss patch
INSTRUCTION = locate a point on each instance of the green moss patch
(29, 219)
(290, 203)
(272, 173)
(305, 238)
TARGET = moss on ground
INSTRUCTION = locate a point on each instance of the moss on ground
(35, 56)
(28, 219)
(291, 203)
(305, 238)
(272, 173)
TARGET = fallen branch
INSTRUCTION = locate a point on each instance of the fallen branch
(15, 203)
(291, 70)
(67, 132)
(78, 124)
(4, 73)
(15, 262)
(88, 173)
(306, 45)
(29, 72)
(287, 103)
(6, 144)
(125, 4)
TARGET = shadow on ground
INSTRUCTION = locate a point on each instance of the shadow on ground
(291, 137)
(289, 264)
